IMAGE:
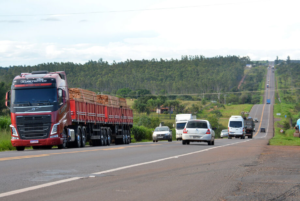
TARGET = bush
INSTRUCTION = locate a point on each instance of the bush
(141, 133)
(149, 122)
(4, 122)
(286, 125)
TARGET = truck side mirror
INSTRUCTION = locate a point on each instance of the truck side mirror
(7, 98)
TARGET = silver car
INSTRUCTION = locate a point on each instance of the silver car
(198, 131)
(162, 133)
(224, 133)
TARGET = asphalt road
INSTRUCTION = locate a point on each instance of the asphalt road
(140, 171)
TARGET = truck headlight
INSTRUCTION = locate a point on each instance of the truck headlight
(14, 131)
(54, 129)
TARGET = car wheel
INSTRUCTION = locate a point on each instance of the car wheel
(183, 142)
(209, 143)
(187, 142)
(20, 148)
(229, 137)
(213, 142)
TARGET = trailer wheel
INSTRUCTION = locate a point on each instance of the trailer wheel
(83, 136)
(78, 137)
(108, 137)
(104, 137)
(123, 139)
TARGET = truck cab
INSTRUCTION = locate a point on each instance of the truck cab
(39, 106)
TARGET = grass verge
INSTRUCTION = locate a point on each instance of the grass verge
(286, 138)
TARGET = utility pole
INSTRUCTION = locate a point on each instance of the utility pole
(225, 99)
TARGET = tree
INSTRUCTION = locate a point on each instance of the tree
(288, 61)
(123, 92)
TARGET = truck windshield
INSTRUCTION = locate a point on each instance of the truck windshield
(235, 124)
(180, 126)
(34, 96)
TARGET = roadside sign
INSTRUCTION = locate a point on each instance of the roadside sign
(278, 114)
(285, 116)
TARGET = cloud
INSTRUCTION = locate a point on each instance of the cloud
(52, 19)
(83, 20)
(11, 21)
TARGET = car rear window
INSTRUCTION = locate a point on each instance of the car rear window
(180, 126)
(236, 124)
(196, 124)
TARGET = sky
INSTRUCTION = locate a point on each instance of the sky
(35, 31)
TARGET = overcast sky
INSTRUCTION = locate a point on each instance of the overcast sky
(39, 31)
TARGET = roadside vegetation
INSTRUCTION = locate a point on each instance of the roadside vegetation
(287, 103)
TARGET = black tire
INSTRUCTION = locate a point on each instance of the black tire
(123, 139)
(209, 143)
(64, 144)
(183, 142)
(78, 137)
(213, 142)
(83, 136)
(153, 140)
(104, 137)
(229, 137)
(108, 138)
(187, 142)
(20, 148)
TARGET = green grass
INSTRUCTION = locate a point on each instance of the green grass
(286, 138)
(5, 143)
(235, 110)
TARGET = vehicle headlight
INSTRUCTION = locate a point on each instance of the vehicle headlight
(14, 131)
(53, 136)
(54, 128)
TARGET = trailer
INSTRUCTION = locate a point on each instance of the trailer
(43, 115)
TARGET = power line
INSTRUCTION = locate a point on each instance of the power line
(134, 10)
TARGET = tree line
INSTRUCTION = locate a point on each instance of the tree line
(190, 74)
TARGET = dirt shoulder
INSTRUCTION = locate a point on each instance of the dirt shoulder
(274, 176)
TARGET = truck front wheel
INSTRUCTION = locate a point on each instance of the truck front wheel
(20, 148)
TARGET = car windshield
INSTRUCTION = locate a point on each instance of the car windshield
(161, 129)
(34, 96)
(180, 126)
(196, 124)
(235, 124)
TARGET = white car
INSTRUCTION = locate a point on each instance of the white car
(162, 133)
(198, 131)
(224, 133)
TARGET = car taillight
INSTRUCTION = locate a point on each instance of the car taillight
(185, 131)
(208, 131)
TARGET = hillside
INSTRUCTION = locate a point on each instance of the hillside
(193, 74)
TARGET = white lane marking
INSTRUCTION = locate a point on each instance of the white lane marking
(107, 171)
(164, 159)
(37, 187)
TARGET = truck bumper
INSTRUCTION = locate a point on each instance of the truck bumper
(40, 142)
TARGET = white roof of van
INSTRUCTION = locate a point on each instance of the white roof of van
(183, 117)
(236, 116)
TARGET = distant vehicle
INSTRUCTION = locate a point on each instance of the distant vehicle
(236, 127)
(162, 133)
(198, 131)
(180, 121)
(255, 119)
(250, 127)
(263, 130)
(224, 133)
(268, 101)
(272, 71)
(267, 85)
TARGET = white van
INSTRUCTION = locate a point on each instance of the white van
(236, 127)
(180, 121)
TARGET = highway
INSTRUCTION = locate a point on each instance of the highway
(139, 171)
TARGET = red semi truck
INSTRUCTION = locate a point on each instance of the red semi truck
(42, 115)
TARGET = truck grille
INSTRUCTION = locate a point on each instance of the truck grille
(34, 127)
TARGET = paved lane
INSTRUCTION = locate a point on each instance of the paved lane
(159, 171)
